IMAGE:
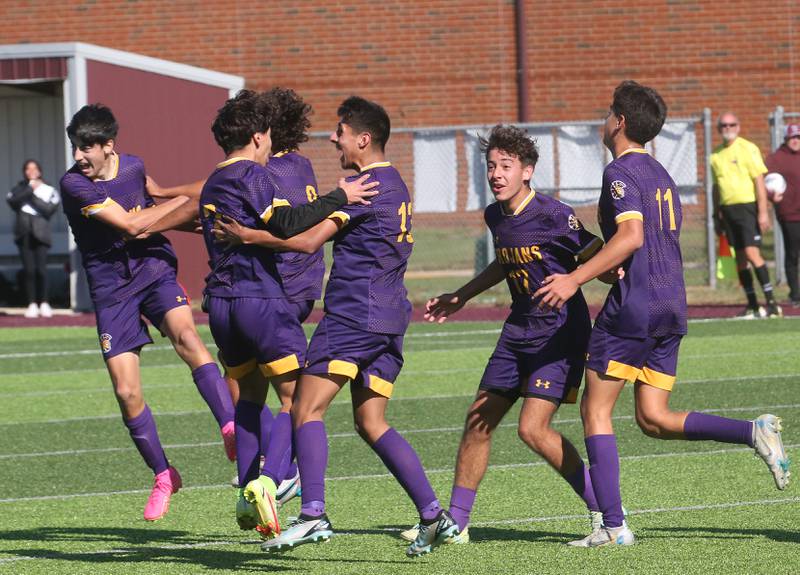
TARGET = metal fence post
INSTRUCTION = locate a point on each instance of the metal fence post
(711, 239)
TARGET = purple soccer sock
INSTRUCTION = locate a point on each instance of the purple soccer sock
(280, 447)
(604, 471)
(288, 468)
(145, 436)
(401, 459)
(267, 420)
(214, 390)
(461, 501)
(311, 444)
(248, 429)
(581, 482)
(698, 426)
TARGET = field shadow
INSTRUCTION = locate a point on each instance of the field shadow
(478, 534)
(779, 535)
(140, 545)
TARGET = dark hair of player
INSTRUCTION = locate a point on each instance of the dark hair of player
(92, 124)
(365, 116)
(290, 119)
(245, 114)
(512, 140)
(643, 109)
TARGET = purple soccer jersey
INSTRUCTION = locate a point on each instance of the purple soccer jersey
(242, 190)
(650, 301)
(116, 268)
(541, 238)
(293, 179)
(370, 256)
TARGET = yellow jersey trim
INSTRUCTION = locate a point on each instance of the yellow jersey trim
(92, 209)
(345, 368)
(633, 151)
(280, 366)
(376, 165)
(279, 203)
(230, 161)
(281, 153)
(657, 379)
(622, 371)
(239, 371)
(381, 386)
(266, 215)
(525, 202)
(341, 218)
(632, 215)
(209, 209)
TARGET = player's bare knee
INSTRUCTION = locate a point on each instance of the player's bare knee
(127, 394)
(532, 434)
(649, 423)
(369, 429)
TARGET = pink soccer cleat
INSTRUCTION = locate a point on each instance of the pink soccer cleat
(166, 483)
(229, 440)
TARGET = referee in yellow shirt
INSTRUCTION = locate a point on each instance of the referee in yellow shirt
(740, 205)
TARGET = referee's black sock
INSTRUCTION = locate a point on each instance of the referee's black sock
(746, 279)
(763, 278)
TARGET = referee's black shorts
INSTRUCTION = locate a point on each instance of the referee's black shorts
(741, 225)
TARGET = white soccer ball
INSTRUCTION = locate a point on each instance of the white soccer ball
(776, 186)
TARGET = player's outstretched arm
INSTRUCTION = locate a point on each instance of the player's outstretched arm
(232, 232)
(286, 221)
(439, 308)
(185, 219)
(558, 288)
(136, 223)
(191, 190)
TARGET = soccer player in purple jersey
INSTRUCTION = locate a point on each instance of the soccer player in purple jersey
(249, 317)
(360, 338)
(132, 270)
(540, 354)
(637, 334)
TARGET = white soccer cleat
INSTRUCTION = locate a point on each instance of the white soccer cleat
(288, 490)
(302, 530)
(769, 447)
(607, 536)
(45, 310)
(459, 538)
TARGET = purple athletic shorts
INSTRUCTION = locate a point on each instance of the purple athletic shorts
(371, 360)
(120, 326)
(529, 363)
(256, 332)
(651, 360)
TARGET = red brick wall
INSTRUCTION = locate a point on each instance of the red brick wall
(447, 61)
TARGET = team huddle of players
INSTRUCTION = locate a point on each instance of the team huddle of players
(264, 223)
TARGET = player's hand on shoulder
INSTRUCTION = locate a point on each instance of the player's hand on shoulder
(555, 291)
(357, 191)
(153, 189)
(226, 230)
(438, 309)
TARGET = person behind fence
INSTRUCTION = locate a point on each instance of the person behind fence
(34, 202)
(786, 162)
(740, 209)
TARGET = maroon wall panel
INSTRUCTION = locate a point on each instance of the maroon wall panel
(167, 122)
(33, 69)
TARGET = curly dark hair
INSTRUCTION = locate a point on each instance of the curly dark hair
(642, 107)
(290, 121)
(512, 140)
(245, 114)
(92, 124)
(365, 116)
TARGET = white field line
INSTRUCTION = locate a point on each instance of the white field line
(104, 389)
(412, 336)
(410, 398)
(351, 434)
(523, 520)
(382, 475)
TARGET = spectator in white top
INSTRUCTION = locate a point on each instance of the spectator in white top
(34, 202)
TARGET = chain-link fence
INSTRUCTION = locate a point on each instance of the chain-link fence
(777, 126)
(446, 173)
